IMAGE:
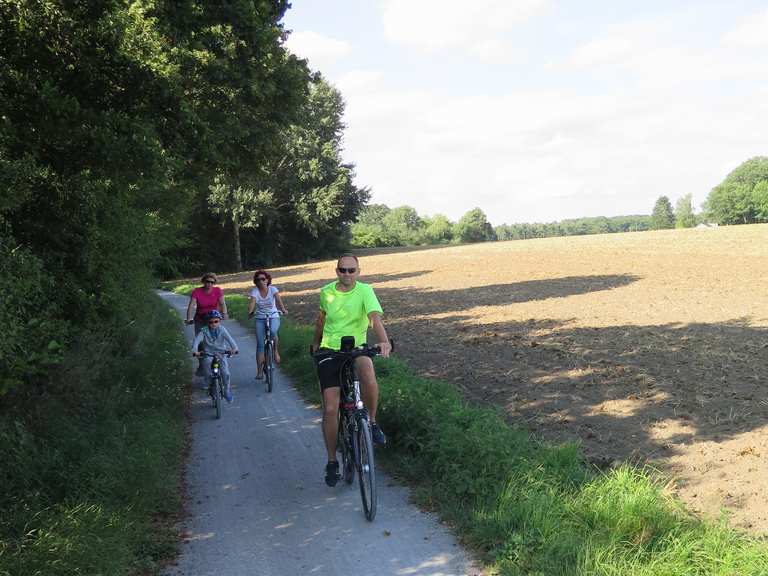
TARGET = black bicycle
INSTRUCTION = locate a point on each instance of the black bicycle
(269, 356)
(354, 441)
(215, 382)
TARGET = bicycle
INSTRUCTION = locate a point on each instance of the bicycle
(354, 440)
(269, 356)
(215, 382)
(269, 352)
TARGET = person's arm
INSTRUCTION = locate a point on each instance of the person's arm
(223, 306)
(251, 305)
(279, 302)
(196, 343)
(190, 315)
(319, 325)
(381, 334)
(231, 341)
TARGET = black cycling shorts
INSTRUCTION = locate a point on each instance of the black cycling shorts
(329, 370)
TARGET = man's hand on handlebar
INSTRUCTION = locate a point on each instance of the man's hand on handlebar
(385, 348)
(188, 321)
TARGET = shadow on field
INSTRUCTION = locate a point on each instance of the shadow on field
(315, 285)
(410, 301)
(626, 392)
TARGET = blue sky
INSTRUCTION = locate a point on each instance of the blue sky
(539, 110)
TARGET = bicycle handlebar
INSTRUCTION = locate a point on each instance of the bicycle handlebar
(364, 350)
(214, 354)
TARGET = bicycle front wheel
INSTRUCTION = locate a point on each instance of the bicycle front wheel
(343, 447)
(269, 367)
(216, 393)
(213, 392)
(366, 468)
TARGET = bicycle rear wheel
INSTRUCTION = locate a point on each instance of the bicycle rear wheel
(269, 366)
(366, 468)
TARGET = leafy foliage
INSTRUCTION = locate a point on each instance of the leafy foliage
(474, 227)
(742, 198)
(662, 216)
(684, 216)
(573, 227)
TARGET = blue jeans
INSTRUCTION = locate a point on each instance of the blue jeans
(261, 332)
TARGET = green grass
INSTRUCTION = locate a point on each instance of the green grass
(90, 470)
(527, 507)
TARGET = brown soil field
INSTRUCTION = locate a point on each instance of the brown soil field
(650, 347)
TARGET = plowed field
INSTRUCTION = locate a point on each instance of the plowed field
(650, 346)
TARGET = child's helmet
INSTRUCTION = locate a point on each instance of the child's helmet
(213, 314)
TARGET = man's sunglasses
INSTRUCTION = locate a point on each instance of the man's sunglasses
(347, 270)
(209, 281)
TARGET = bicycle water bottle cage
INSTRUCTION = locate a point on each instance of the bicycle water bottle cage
(347, 343)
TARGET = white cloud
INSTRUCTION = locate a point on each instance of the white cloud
(751, 32)
(321, 51)
(437, 24)
(546, 155)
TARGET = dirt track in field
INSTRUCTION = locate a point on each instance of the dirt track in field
(649, 346)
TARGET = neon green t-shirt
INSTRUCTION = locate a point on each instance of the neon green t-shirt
(346, 313)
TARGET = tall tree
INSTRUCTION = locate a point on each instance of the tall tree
(662, 216)
(684, 216)
(474, 227)
(404, 222)
(313, 197)
(738, 199)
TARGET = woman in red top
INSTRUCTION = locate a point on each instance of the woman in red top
(204, 299)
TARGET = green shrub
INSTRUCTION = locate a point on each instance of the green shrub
(90, 466)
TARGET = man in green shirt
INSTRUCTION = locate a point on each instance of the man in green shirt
(347, 308)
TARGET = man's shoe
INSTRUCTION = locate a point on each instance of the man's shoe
(228, 396)
(377, 435)
(332, 473)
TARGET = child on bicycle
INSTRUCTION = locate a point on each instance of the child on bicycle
(216, 340)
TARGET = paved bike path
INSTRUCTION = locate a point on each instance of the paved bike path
(257, 503)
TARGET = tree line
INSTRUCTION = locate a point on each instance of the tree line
(742, 198)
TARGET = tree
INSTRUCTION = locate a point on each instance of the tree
(738, 199)
(474, 227)
(314, 197)
(405, 224)
(662, 216)
(437, 229)
(684, 216)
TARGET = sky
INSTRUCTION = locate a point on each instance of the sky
(540, 110)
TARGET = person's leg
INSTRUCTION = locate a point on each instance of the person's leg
(369, 390)
(199, 323)
(330, 420)
(330, 433)
(369, 387)
(274, 326)
(225, 379)
(260, 334)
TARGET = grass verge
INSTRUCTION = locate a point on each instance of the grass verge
(525, 506)
(91, 464)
